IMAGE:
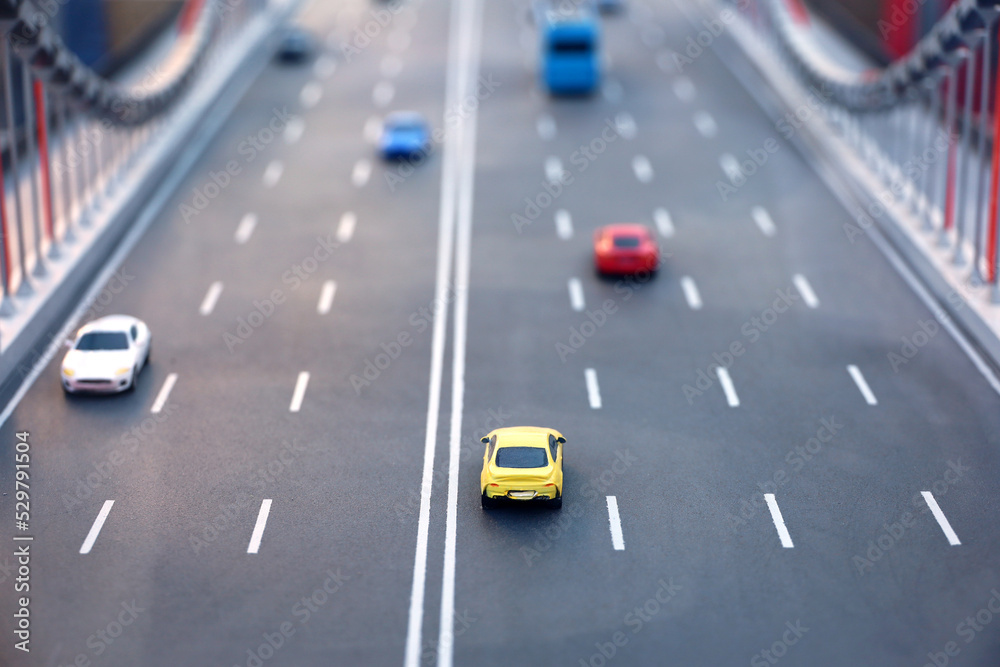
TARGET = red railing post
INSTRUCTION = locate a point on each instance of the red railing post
(41, 122)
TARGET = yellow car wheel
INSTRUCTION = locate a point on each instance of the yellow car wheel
(488, 503)
(556, 503)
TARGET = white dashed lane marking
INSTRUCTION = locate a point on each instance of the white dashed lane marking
(345, 229)
(361, 173)
(642, 168)
(258, 528)
(273, 173)
(326, 297)
(564, 224)
(382, 93)
(664, 223)
(941, 518)
(593, 390)
(614, 519)
(546, 126)
(731, 167)
(95, 530)
(211, 298)
(300, 392)
(625, 125)
(806, 290)
(311, 94)
(553, 169)
(859, 380)
(245, 229)
(294, 130)
(705, 124)
(779, 522)
(161, 398)
(764, 221)
(732, 399)
(691, 293)
(373, 129)
(576, 294)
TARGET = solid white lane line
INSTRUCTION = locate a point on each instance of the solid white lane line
(806, 290)
(382, 93)
(705, 124)
(553, 169)
(727, 387)
(576, 294)
(325, 67)
(442, 295)
(391, 65)
(617, 539)
(625, 125)
(642, 168)
(684, 89)
(468, 81)
(564, 224)
(691, 292)
(941, 518)
(373, 129)
(763, 220)
(311, 94)
(258, 528)
(731, 166)
(245, 228)
(326, 297)
(546, 126)
(294, 130)
(161, 398)
(593, 390)
(664, 222)
(345, 229)
(779, 522)
(361, 173)
(211, 297)
(273, 173)
(300, 392)
(95, 530)
(859, 380)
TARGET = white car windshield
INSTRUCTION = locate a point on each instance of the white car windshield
(103, 340)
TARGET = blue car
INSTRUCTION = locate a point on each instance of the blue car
(404, 135)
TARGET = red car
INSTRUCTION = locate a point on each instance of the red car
(625, 249)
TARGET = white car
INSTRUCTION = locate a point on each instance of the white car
(106, 355)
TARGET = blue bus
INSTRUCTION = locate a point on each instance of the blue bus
(571, 56)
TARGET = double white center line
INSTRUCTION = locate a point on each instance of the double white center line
(454, 238)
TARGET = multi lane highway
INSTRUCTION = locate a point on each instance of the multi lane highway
(295, 480)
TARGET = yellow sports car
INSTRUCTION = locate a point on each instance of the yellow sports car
(523, 463)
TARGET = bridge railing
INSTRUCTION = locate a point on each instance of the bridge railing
(923, 129)
(71, 137)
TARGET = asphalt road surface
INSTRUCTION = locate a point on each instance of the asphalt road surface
(295, 479)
